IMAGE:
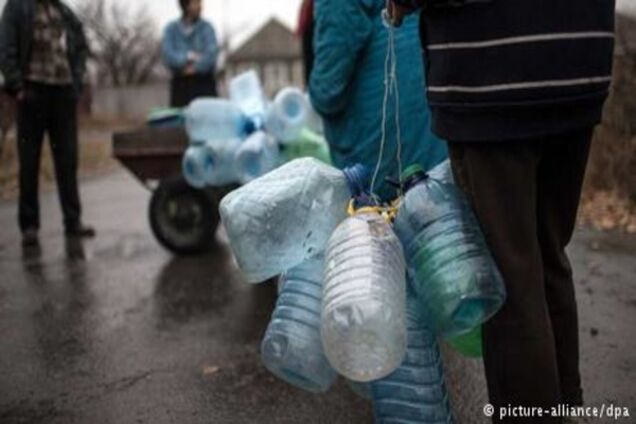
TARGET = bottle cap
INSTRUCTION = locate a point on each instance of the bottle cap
(357, 179)
(412, 171)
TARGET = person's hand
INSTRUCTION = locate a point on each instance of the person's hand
(397, 13)
(190, 69)
(193, 57)
(20, 96)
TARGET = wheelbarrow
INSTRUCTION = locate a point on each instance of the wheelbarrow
(182, 218)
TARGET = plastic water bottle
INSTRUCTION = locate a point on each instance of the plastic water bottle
(307, 144)
(469, 344)
(292, 348)
(210, 118)
(449, 263)
(219, 156)
(416, 392)
(246, 91)
(279, 220)
(287, 115)
(364, 299)
(256, 156)
(442, 172)
(193, 165)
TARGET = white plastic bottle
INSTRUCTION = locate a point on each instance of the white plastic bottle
(246, 92)
(363, 325)
(286, 216)
(219, 166)
(256, 156)
(211, 118)
(287, 115)
(193, 165)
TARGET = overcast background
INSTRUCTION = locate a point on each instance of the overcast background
(240, 18)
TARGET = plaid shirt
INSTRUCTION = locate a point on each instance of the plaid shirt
(49, 63)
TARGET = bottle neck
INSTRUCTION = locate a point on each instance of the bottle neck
(357, 179)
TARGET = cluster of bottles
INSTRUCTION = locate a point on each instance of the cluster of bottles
(239, 139)
(365, 291)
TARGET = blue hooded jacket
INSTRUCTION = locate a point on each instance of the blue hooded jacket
(176, 44)
(347, 89)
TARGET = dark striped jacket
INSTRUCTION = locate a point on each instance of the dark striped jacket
(507, 69)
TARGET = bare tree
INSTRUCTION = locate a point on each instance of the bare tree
(124, 41)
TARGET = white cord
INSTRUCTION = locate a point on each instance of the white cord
(390, 85)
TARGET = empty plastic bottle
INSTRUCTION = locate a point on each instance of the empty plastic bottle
(279, 220)
(449, 263)
(292, 348)
(442, 172)
(364, 303)
(219, 156)
(193, 165)
(246, 91)
(210, 118)
(256, 156)
(416, 392)
(287, 115)
(469, 344)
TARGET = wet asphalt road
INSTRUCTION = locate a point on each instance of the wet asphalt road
(119, 331)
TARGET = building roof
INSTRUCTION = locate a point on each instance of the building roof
(274, 41)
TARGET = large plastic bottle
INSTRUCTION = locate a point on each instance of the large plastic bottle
(287, 115)
(449, 263)
(209, 118)
(219, 161)
(364, 299)
(292, 348)
(416, 392)
(246, 92)
(279, 220)
(256, 156)
(193, 165)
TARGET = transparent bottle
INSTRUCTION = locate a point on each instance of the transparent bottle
(246, 92)
(193, 165)
(279, 220)
(314, 120)
(287, 115)
(292, 348)
(209, 118)
(364, 299)
(415, 392)
(219, 167)
(256, 156)
(449, 263)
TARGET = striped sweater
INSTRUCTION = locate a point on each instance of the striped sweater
(509, 69)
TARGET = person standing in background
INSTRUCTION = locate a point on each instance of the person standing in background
(347, 89)
(306, 34)
(43, 53)
(517, 87)
(189, 48)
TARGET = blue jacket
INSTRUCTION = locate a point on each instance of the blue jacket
(347, 89)
(176, 44)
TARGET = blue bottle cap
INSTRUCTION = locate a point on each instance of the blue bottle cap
(357, 179)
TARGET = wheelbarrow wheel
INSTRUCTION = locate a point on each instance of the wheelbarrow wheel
(183, 219)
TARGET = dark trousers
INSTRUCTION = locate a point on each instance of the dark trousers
(52, 110)
(184, 89)
(526, 196)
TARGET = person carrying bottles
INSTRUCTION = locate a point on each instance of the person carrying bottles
(517, 87)
(347, 89)
(189, 48)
